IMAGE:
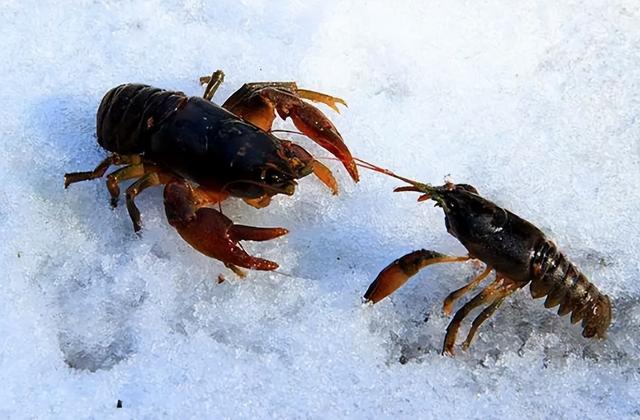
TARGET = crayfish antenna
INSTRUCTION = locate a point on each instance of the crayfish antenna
(427, 189)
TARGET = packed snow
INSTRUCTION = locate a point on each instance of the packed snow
(537, 104)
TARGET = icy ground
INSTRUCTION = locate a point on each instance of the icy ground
(535, 103)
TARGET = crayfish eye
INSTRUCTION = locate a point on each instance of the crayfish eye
(451, 204)
(272, 176)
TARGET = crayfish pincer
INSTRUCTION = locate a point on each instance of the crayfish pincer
(204, 153)
(515, 249)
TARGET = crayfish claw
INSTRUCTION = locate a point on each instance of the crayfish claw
(315, 125)
(311, 121)
(259, 102)
(211, 232)
(252, 233)
(407, 188)
(215, 235)
(330, 101)
(398, 272)
(387, 282)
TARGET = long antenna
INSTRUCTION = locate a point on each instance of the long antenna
(416, 186)
(371, 166)
(428, 191)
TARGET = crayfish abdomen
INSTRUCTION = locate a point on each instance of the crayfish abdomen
(553, 275)
(128, 112)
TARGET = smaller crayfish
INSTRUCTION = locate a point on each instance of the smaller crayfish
(515, 249)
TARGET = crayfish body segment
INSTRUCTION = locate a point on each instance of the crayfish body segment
(518, 252)
(204, 153)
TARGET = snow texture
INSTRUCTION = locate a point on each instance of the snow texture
(536, 103)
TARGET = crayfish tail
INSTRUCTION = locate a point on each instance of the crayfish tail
(563, 284)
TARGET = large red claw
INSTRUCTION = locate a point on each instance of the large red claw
(387, 282)
(315, 125)
(215, 235)
(398, 272)
(211, 232)
(312, 123)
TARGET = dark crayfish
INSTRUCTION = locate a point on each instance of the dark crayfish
(515, 249)
(204, 153)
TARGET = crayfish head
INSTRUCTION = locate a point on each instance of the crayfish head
(255, 171)
(468, 216)
(267, 180)
(273, 171)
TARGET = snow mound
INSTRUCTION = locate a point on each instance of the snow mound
(535, 104)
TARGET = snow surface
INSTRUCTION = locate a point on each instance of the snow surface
(537, 104)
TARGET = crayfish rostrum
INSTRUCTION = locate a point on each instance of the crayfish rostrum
(204, 153)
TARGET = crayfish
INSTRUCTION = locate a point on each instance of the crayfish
(204, 153)
(514, 248)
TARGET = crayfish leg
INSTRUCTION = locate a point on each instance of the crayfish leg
(101, 169)
(484, 315)
(258, 203)
(447, 305)
(213, 82)
(500, 288)
(398, 272)
(149, 175)
(151, 178)
(120, 175)
(212, 233)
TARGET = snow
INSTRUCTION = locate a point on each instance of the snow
(535, 103)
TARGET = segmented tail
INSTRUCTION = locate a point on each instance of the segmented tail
(556, 277)
(129, 111)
